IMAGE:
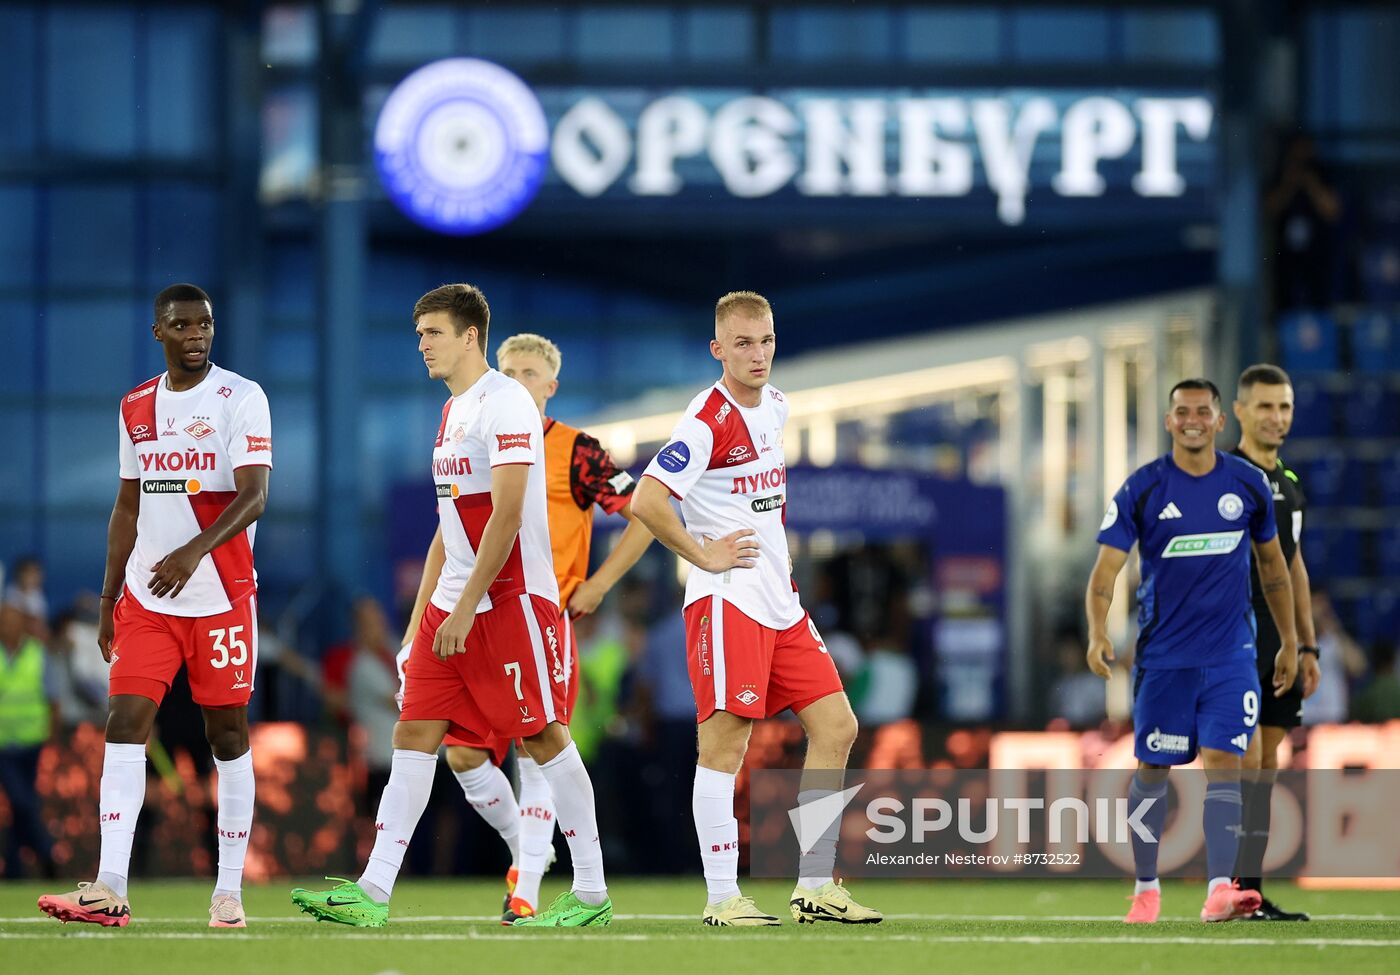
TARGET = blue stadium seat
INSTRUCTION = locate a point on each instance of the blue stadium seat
(1314, 407)
(1324, 479)
(1309, 341)
(1388, 480)
(1333, 553)
(1388, 552)
(1371, 408)
(1375, 343)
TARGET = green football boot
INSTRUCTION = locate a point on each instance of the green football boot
(345, 903)
(568, 911)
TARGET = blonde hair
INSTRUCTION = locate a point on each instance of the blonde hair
(743, 303)
(528, 343)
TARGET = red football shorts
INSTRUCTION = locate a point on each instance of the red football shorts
(498, 747)
(754, 671)
(220, 653)
(508, 683)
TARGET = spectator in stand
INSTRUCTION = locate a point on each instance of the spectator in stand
(1380, 699)
(26, 591)
(1078, 695)
(29, 717)
(81, 670)
(372, 682)
(1303, 211)
(1341, 661)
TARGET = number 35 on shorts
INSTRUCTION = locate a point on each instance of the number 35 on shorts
(228, 647)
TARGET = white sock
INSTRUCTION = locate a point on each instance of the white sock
(573, 797)
(122, 792)
(712, 803)
(1146, 885)
(1216, 881)
(400, 808)
(488, 790)
(536, 829)
(818, 864)
(236, 792)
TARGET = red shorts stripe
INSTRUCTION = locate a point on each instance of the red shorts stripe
(220, 653)
(754, 671)
(571, 676)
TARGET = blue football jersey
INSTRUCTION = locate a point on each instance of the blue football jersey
(1194, 605)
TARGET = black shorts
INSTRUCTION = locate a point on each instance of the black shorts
(1275, 712)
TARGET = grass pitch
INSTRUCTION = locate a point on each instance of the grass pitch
(962, 925)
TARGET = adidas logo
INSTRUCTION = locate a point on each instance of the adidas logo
(1241, 742)
(1170, 511)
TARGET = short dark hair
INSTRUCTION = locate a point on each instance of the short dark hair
(1262, 372)
(464, 304)
(1197, 383)
(180, 292)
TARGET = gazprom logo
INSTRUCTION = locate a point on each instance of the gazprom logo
(1211, 543)
(462, 146)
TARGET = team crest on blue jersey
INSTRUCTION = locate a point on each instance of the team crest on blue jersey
(1109, 516)
(1230, 506)
(674, 457)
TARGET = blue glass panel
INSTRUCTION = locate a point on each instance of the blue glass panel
(91, 80)
(413, 34)
(179, 104)
(16, 235)
(74, 547)
(20, 329)
(1367, 70)
(625, 34)
(516, 35)
(289, 354)
(289, 34)
(720, 35)
(89, 345)
(92, 236)
(294, 480)
(1176, 36)
(18, 80)
(80, 456)
(183, 235)
(832, 35)
(17, 482)
(18, 535)
(955, 36)
(1060, 35)
(291, 282)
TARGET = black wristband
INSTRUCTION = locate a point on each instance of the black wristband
(112, 598)
(1312, 650)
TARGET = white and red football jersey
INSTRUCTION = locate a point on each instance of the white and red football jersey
(184, 447)
(725, 463)
(493, 423)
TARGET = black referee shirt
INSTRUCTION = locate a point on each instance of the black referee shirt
(1289, 502)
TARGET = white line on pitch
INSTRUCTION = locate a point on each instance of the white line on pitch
(474, 918)
(710, 936)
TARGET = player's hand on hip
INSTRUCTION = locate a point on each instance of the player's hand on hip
(452, 634)
(105, 628)
(1285, 670)
(1312, 673)
(585, 598)
(1100, 655)
(173, 572)
(737, 550)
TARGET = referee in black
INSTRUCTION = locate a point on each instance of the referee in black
(1264, 408)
